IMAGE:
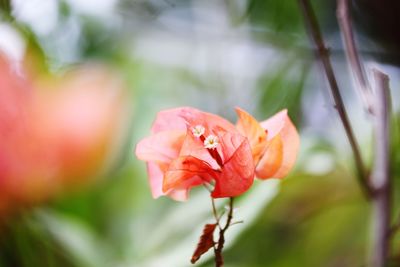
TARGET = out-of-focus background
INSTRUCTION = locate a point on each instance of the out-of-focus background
(82, 81)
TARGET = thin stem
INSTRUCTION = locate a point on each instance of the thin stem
(380, 178)
(207, 186)
(323, 55)
(237, 222)
(230, 214)
(219, 261)
(215, 213)
(353, 58)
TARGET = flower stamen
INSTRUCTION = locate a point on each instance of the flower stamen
(211, 142)
(198, 130)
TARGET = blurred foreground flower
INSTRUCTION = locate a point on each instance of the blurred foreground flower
(56, 134)
(189, 147)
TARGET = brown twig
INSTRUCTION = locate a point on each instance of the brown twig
(378, 187)
(378, 106)
(357, 68)
(380, 178)
(323, 55)
(219, 261)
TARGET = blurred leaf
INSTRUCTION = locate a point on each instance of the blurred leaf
(76, 238)
(25, 242)
(279, 16)
(5, 6)
(284, 88)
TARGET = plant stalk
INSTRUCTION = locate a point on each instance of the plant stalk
(323, 55)
(219, 260)
(353, 58)
(380, 178)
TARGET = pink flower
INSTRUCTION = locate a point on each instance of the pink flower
(55, 137)
(189, 147)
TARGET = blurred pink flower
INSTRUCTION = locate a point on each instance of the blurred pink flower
(57, 137)
(189, 147)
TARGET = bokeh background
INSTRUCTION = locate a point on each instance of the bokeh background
(212, 55)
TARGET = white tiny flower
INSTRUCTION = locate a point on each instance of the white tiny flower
(211, 141)
(198, 130)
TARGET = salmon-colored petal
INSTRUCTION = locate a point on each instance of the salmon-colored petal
(156, 175)
(78, 121)
(179, 194)
(237, 174)
(193, 146)
(182, 117)
(272, 159)
(161, 147)
(169, 119)
(14, 95)
(250, 128)
(210, 121)
(275, 124)
(186, 172)
(282, 148)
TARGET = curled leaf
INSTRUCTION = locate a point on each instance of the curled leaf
(205, 243)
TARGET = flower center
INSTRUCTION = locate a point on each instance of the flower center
(198, 130)
(211, 142)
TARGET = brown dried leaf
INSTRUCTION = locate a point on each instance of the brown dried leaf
(205, 243)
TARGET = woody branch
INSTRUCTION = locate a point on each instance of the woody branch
(323, 55)
(378, 186)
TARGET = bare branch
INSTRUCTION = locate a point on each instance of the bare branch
(380, 178)
(323, 55)
(353, 58)
(380, 171)
(379, 106)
